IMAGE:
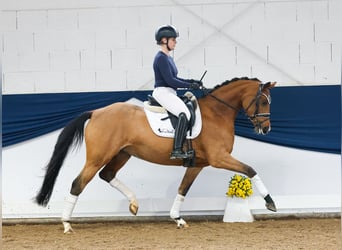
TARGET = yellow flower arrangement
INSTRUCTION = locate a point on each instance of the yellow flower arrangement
(239, 186)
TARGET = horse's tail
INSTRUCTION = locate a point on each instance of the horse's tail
(71, 135)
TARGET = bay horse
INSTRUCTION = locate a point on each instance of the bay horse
(110, 144)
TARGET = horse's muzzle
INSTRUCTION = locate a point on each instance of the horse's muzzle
(262, 130)
(265, 130)
(261, 127)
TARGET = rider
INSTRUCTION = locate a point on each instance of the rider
(166, 84)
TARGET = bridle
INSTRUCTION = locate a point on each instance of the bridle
(256, 100)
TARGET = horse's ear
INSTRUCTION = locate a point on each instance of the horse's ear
(269, 85)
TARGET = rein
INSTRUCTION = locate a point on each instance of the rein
(256, 99)
(223, 102)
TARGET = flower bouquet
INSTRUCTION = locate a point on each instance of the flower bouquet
(239, 186)
(237, 210)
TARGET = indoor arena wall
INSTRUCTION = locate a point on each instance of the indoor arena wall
(100, 46)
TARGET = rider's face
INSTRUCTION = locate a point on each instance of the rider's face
(171, 42)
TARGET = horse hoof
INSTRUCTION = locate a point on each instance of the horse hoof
(181, 223)
(133, 208)
(270, 203)
(271, 206)
(69, 231)
(67, 228)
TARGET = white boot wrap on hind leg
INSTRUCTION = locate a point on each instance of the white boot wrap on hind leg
(123, 189)
(69, 204)
(174, 212)
(256, 181)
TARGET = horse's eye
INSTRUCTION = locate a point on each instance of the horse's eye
(264, 103)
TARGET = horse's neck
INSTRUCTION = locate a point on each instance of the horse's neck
(224, 101)
(215, 111)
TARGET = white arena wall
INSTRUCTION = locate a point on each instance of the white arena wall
(301, 182)
(74, 46)
(84, 46)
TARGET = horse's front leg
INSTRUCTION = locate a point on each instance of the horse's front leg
(189, 177)
(230, 163)
(258, 183)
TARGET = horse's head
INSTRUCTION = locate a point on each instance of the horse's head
(257, 107)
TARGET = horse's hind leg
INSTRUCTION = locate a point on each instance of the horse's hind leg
(189, 177)
(78, 185)
(108, 174)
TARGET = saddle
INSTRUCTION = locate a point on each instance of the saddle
(190, 101)
(188, 98)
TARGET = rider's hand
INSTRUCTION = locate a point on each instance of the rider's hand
(194, 86)
(200, 83)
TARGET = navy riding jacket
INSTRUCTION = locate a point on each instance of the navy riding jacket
(165, 72)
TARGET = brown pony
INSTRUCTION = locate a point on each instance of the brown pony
(110, 144)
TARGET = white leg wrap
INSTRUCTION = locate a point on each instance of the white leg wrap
(174, 212)
(123, 189)
(258, 183)
(69, 204)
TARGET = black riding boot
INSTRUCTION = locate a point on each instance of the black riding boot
(180, 134)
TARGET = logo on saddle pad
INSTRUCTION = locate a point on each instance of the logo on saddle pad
(161, 121)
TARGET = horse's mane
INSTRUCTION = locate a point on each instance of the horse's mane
(232, 80)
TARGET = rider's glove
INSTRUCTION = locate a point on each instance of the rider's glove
(194, 86)
(200, 83)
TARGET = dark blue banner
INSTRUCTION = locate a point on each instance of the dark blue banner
(307, 117)
(302, 117)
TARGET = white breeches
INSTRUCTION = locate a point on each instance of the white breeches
(167, 97)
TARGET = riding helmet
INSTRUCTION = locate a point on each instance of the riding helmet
(165, 31)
